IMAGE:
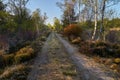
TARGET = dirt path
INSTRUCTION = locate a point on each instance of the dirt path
(89, 69)
(53, 63)
(61, 61)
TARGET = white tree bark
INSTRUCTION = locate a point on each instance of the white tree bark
(96, 15)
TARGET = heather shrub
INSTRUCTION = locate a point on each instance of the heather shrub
(118, 53)
(1, 61)
(99, 48)
(101, 51)
(43, 38)
(1, 52)
(17, 72)
(85, 48)
(19, 58)
(26, 49)
(8, 59)
(24, 54)
(100, 43)
(18, 45)
(37, 45)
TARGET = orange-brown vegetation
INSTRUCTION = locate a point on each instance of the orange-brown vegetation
(72, 30)
(24, 54)
(20, 56)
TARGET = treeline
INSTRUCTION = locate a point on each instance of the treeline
(17, 24)
(108, 23)
(97, 15)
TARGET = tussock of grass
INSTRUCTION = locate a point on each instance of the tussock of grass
(22, 58)
(69, 70)
(69, 73)
(24, 50)
(8, 59)
(2, 64)
(24, 54)
(17, 72)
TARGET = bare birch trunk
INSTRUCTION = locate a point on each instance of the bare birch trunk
(95, 27)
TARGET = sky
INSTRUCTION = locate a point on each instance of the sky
(46, 6)
(50, 7)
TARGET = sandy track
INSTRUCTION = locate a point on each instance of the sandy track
(61, 61)
(53, 63)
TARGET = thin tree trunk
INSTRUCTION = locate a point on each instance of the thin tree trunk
(102, 34)
(79, 10)
(95, 27)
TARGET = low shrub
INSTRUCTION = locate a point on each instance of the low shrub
(115, 46)
(18, 72)
(19, 58)
(72, 29)
(2, 64)
(1, 52)
(118, 53)
(69, 73)
(37, 45)
(8, 59)
(76, 41)
(100, 43)
(26, 49)
(100, 48)
(24, 54)
(43, 38)
(101, 51)
(117, 60)
(84, 48)
(13, 49)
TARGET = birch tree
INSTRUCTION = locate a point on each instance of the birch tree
(104, 5)
(94, 5)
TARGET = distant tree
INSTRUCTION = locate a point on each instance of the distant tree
(18, 8)
(38, 20)
(68, 16)
(78, 5)
(57, 24)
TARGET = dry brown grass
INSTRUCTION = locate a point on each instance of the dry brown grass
(17, 72)
(24, 54)
(114, 29)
